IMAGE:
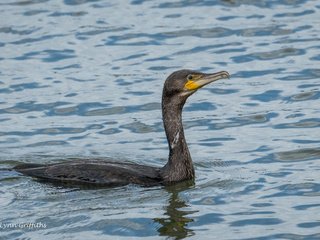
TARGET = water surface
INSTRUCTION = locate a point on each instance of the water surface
(81, 78)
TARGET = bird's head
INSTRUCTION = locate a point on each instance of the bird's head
(184, 83)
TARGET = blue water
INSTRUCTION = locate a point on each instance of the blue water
(81, 78)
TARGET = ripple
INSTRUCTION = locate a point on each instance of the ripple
(221, 91)
(64, 130)
(211, 142)
(110, 131)
(22, 87)
(296, 155)
(139, 93)
(200, 33)
(71, 14)
(30, 106)
(302, 75)
(208, 218)
(32, 40)
(262, 205)
(76, 66)
(305, 123)
(44, 131)
(264, 31)
(47, 143)
(78, 2)
(34, 12)
(106, 111)
(133, 56)
(309, 224)
(156, 38)
(306, 206)
(305, 141)
(300, 189)
(280, 174)
(304, 154)
(311, 95)
(267, 96)
(48, 55)
(275, 54)
(250, 74)
(206, 48)
(203, 106)
(209, 200)
(12, 30)
(260, 4)
(256, 221)
(63, 111)
(6, 198)
(135, 227)
(100, 109)
(242, 121)
(296, 14)
(139, 127)
(92, 31)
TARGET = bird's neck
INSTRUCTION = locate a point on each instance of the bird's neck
(179, 166)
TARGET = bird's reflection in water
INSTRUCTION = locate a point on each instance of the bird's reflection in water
(175, 221)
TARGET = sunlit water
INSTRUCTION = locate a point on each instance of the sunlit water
(82, 78)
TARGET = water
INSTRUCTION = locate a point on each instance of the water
(84, 79)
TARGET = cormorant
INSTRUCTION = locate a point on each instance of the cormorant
(177, 88)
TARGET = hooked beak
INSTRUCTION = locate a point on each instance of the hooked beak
(201, 80)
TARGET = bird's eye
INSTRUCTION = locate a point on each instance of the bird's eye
(189, 77)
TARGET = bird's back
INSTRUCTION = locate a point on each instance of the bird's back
(98, 173)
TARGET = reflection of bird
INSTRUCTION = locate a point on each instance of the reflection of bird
(176, 218)
(177, 88)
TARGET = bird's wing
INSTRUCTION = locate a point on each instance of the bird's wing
(96, 172)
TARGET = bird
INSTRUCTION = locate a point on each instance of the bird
(178, 86)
